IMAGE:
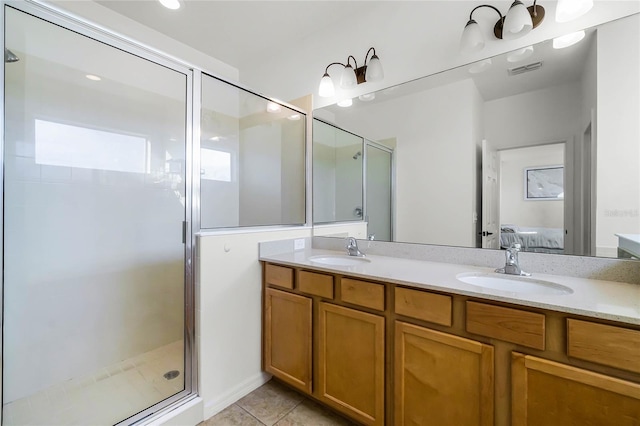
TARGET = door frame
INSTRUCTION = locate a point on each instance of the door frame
(392, 209)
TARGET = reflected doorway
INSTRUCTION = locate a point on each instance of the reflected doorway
(379, 191)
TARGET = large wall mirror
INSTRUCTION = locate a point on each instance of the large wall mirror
(539, 146)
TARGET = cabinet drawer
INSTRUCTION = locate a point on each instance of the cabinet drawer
(604, 344)
(362, 293)
(423, 305)
(316, 284)
(511, 325)
(279, 276)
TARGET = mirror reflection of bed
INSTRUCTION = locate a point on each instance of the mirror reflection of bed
(533, 239)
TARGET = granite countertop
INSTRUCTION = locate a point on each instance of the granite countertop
(592, 298)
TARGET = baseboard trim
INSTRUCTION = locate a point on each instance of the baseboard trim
(214, 406)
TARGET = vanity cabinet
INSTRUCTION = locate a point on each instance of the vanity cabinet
(550, 393)
(287, 337)
(351, 362)
(382, 353)
(441, 379)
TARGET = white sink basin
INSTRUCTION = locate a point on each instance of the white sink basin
(339, 260)
(512, 283)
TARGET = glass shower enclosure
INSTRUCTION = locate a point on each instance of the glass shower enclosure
(96, 212)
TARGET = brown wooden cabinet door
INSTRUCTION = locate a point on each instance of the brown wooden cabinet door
(351, 362)
(287, 337)
(547, 393)
(441, 379)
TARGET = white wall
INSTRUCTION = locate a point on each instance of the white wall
(541, 116)
(412, 39)
(433, 146)
(229, 314)
(618, 132)
(514, 209)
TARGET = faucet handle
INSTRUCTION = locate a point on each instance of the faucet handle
(516, 246)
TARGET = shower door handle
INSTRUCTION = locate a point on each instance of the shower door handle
(184, 231)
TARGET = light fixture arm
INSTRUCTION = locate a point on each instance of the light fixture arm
(355, 63)
(489, 6)
(367, 55)
(535, 9)
(326, 70)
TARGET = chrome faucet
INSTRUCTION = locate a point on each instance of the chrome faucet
(352, 247)
(512, 266)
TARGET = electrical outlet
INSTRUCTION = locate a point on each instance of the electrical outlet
(298, 244)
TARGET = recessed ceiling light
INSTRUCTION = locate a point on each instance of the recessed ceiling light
(170, 4)
(520, 54)
(345, 103)
(294, 117)
(567, 40)
(367, 97)
(93, 77)
(273, 107)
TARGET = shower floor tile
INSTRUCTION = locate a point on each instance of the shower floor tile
(106, 396)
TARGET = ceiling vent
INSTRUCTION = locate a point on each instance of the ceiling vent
(525, 68)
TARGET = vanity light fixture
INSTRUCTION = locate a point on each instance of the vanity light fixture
(568, 10)
(568, 40)
(518, 22)
(352, 75)
(170, 4)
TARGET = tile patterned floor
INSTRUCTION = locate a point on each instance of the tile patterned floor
(275, 404)
(106, 396)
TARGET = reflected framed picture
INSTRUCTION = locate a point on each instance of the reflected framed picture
(544, 183)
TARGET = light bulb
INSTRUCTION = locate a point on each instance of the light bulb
(326, 89)
(374, 70)
(472, 39)
(348, 78)
(517, 23)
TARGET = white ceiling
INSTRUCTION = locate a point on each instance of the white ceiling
(240, 33)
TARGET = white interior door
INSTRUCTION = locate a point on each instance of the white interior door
(490, 197)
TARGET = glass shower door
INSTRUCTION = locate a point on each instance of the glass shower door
(94, 204)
